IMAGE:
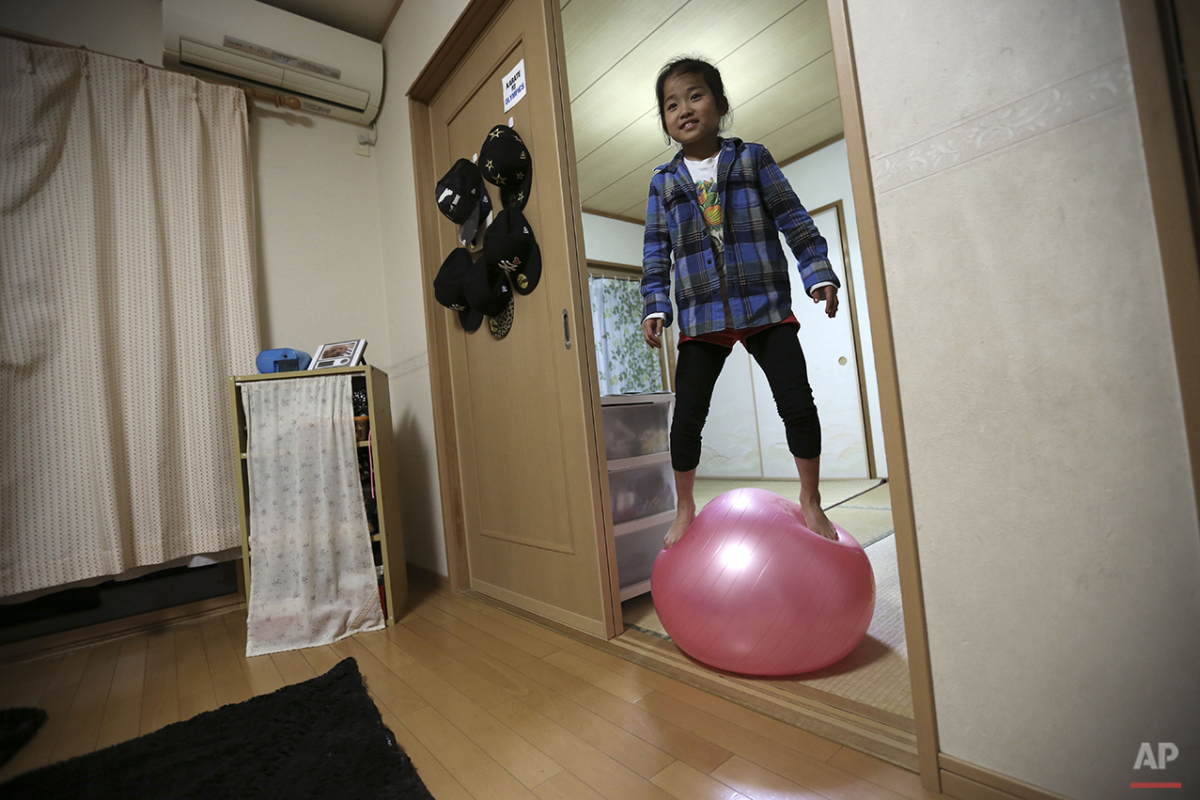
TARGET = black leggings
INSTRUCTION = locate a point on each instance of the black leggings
(777, 350)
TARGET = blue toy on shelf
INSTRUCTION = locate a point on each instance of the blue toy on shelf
(282, 360)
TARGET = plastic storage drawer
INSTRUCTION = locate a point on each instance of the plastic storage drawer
(635, 429)
(641, 491)
(637, 550)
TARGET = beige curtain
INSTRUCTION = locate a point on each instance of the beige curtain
(126, 300)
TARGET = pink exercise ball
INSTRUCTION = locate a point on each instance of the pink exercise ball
(750, 589)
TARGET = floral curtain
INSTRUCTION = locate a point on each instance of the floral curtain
(624, 363)
(312, 577)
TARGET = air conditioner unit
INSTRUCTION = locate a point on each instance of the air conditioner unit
(330, 71)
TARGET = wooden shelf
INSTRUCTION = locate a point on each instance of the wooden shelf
(379, 412)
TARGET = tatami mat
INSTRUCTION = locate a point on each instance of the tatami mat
(833, 492)
(879, 497)
(862, 507)
(876, 672)
(866, 515)
(866, 525)
(639, 614)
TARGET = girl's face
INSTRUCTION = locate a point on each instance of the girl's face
(691, 115)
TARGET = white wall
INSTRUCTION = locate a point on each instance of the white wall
(320, 265)
(1056, 522)
(320, 268)
(415, 34)
(819, 179)
(613, 240)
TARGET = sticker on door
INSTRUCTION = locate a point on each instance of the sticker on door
(514, 85)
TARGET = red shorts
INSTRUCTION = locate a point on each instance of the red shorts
(731, 336)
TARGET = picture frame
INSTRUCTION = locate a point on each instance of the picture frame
(346, 353)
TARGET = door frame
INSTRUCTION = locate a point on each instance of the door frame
(472, 23)
(1174, 187)
(912, 599)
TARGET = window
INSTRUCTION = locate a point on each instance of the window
(624, 362)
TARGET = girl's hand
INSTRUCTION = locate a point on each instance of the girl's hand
(652, 330)
(828, 294)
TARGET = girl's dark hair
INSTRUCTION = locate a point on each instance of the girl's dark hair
(692, 66)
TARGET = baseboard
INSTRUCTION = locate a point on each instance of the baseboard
(56, 643)
(967, 781)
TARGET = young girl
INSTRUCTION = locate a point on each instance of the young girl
(718, 208)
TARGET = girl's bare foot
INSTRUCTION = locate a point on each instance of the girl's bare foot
(815, 517)
(684, 516)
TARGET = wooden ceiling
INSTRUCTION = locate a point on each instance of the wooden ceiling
(775, 58)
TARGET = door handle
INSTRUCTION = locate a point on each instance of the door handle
(566, 329)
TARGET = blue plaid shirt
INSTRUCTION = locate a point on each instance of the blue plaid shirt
(757, 203)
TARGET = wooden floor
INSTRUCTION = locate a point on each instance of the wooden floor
(488, 705)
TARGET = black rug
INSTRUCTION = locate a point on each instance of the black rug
(322, 738)
(18, 726)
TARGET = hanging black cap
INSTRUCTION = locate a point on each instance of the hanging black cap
(509, 244)
(450, 288)
(488, 291)
(463, 199)
(505, 162)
